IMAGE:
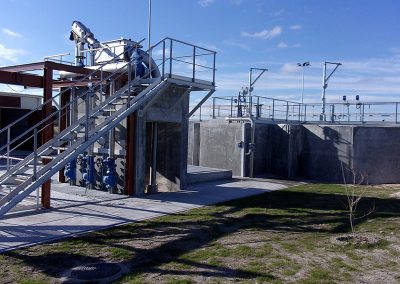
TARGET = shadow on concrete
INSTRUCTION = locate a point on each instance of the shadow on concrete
(159, 242)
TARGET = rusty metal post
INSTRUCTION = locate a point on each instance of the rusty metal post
(130, 155)
(48, 130)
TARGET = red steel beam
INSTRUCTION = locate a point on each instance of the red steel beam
(24, 67)
(21, 79)
(66, 84)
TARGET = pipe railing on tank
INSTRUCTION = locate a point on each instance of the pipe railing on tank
(285, 110)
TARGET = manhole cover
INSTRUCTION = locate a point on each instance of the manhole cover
(94, 272)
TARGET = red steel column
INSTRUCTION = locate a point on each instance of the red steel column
(48, 131)
(130, 155)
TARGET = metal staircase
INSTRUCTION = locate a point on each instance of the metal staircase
(30, 173)
(26, 176)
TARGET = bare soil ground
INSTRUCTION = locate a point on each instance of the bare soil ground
(279, 237)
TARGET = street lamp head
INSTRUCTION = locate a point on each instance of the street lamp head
(303, 64)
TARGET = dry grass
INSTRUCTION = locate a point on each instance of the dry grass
(278, 237)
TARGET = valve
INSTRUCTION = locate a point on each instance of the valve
(70, 171)
(110, 178)
(88, 176)
(252, 146)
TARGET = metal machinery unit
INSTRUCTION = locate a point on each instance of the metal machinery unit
(122, 116)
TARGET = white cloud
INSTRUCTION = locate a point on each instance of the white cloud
(278, 13)
(264, 34)
(205, 3)
(237, 44)
(285, 45)
(295, 27)
(282, 45)
(10, 54)
(11, 33)
(374, 79)
(289, 68)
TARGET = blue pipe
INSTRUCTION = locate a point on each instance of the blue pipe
(138, 62)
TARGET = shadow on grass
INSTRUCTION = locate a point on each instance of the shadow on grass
(174, 238)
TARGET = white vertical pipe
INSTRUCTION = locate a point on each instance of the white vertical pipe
(149, 38)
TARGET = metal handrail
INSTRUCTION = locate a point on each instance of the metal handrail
(60, 110)
(9, 141)
(88, 76)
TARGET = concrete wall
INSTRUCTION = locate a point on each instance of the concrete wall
(377, 153)
(218, 145)
(314, 152)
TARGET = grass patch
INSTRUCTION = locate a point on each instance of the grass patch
(277, 237)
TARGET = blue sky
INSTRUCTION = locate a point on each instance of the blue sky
(362, 35)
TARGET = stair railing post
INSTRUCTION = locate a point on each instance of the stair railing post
(170, 57)
(8, 148)
(163, 61)
(213, 108)
(129, 83)
(287, 111)
(200, 112)
(231, 115)
(101, 81)
(35, 160)
(273, 109)
(194, 64)
(87, 116)
(34, 154)
(305, 113)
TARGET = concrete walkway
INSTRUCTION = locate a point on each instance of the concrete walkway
(76, 213)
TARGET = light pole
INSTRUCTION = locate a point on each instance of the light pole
(303, 65)
(325, 80)
(149, 34)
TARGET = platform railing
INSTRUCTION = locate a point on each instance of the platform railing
(284, 110)
(186, 59)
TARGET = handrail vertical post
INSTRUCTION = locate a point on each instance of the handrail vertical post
(170, 57)
(214, 69)
(200, 112)
(87, 116)
(8, 147)
(299, 112)
(101, 81)
(362, 114)
(129, 83)
(273, 109)
(213, 108)
(163, 61)
(397, 104)
(194, 64)
(305, 113)
(287, 111)
(34, 155)
(231, 107)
